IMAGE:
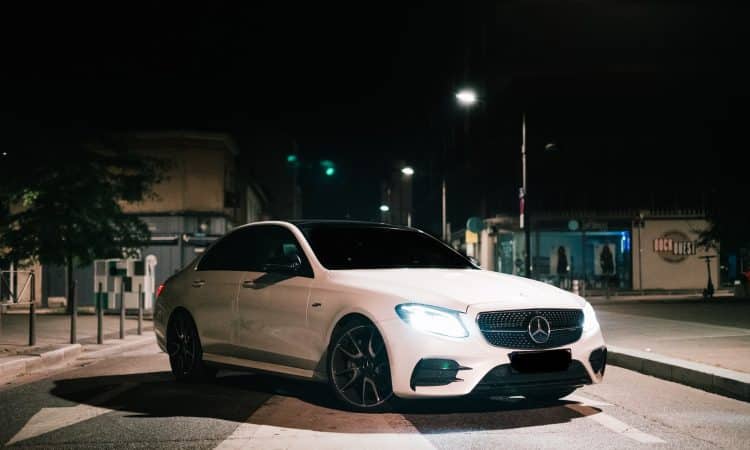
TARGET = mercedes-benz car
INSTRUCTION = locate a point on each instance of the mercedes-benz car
(378, 312)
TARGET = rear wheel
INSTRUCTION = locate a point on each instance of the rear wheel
(549, 395)
(184, 348)
(358, 367)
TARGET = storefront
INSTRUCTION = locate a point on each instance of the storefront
(603, 249)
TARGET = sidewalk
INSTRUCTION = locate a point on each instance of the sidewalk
(702, 343)
(54, 329)
(53, 347)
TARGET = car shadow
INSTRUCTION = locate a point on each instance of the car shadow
(236, 397)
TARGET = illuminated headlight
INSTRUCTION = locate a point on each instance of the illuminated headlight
(589, 318)
(431, 319)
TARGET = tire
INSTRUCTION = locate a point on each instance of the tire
(549, 395)
(185, 351)
(359, 372)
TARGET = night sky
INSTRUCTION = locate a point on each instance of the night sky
(646, 100)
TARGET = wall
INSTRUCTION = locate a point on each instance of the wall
(690, 273)
(195, 182)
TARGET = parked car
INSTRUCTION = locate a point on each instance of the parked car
(377, 312)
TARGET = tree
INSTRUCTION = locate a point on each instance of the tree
(65, 210)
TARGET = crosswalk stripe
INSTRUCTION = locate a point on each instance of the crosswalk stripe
(615, 425)
(50, 419)
(305, 432)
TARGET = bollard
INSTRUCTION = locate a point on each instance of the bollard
(122, 308)
(32, 314)
(575, 287)
(73, 314)
(140, 310)
(99, 316)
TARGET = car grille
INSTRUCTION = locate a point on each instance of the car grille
(509, 329)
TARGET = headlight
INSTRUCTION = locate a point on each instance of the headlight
(589, 318)
(431, 319)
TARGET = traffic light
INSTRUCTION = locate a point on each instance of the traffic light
(329, 168)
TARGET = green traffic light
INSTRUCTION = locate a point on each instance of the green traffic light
(291, 159)
(330, 171)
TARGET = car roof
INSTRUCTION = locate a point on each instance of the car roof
(352, 223)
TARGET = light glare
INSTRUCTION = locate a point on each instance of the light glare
(385, 208)
(466, 97)
(408, 171)
(432, 320)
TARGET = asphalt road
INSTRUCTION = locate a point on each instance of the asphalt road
(131, 401)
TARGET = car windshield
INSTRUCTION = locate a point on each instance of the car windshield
(342, 247)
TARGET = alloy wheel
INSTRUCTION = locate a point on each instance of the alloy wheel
(360, 372)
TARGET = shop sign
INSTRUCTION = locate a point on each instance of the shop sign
(674, 246)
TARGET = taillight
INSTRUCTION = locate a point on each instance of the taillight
(160, 290)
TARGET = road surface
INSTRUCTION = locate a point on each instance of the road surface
(131, 401)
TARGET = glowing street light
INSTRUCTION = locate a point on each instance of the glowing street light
(408, 171)
(384, 208)
(466, 97)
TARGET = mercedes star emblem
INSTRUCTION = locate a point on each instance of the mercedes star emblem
(539, 329)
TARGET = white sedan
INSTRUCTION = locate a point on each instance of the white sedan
(376, 311)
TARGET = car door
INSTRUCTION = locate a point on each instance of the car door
(273, 303)
(213, 292)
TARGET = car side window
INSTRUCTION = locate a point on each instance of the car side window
(275, 242)
(230, 252)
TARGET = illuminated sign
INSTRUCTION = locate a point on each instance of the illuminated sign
(674, 246)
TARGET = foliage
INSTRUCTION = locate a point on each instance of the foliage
(64, 206)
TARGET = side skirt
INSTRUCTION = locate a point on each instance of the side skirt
(258, 365)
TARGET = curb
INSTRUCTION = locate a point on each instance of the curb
(717, 380)
(16, 366)
(115, 346)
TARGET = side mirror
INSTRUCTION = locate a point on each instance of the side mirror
(284, 264)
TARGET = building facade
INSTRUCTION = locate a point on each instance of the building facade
(628, 250)
(202, 197)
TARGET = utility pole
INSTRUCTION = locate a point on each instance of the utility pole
(445, 227)
(525, 222)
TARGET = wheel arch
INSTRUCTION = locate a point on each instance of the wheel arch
(343, 318)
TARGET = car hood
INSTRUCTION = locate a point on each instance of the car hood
(459, 289)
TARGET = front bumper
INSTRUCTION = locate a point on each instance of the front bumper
(482, 366)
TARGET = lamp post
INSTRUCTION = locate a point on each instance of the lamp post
(407, 174)
(524, 207)
(466, 98)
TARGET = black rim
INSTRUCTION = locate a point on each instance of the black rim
(359, 367)
(182, 346)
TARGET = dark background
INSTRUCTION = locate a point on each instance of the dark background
(646, 100)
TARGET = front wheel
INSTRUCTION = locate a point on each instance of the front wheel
(358, 368)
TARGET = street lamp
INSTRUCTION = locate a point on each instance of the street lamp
(466, 97)
(406, 189)
(384, 208)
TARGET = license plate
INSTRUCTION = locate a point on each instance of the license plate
(542, 361)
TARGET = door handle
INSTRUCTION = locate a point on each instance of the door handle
(316, 305)
(198, 283)
(248, 283)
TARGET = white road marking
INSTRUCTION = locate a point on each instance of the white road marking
(308, 426)
(267, 437)
(51, 419)
(586, 401)
(616, 425)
